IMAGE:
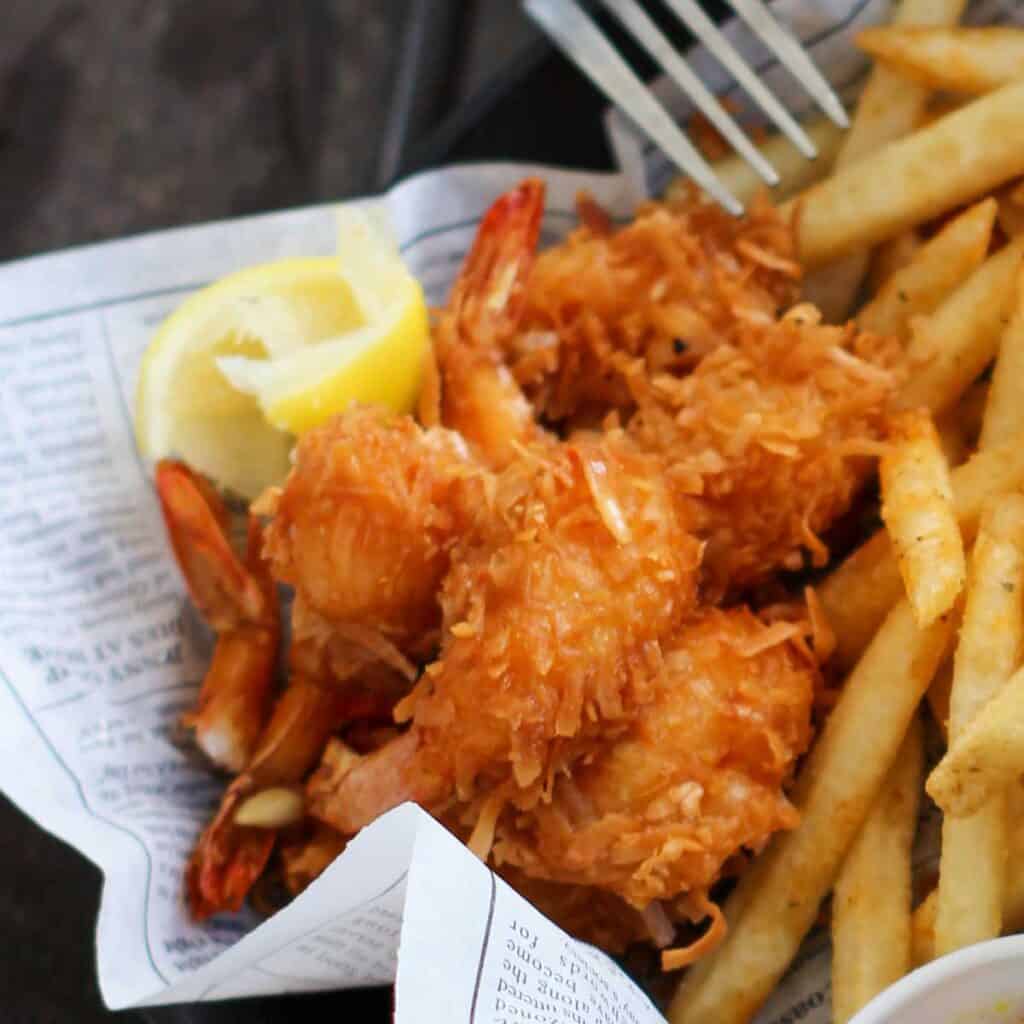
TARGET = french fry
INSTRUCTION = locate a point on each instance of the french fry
(892, 255)
(917, 507)
(857, 595)
(937, 268)
(922, 930)
(795, 171)
(871, 923)
(973, 860)
(986, 758)
(953, 161)
(971, 60)
(777, 900)
(923, 921)
(949, 349)
(889, 107)
(1010, 215)
(1004, 413)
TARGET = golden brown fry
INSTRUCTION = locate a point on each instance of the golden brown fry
(987, 757)
(977, 149)
(971, 60)
(795, 171)
(936, 269)
(917, 506)
(889, 108)
(973, 860)
(857, 595)
(776, 902)
(923, 924)
(1011, 209)
(892, 255)
(922, 930)
(871, 933)
(1004, 414)
(950, 348)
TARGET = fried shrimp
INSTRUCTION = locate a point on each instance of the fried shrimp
(770, 436)
(665, 289)
(363, 527)
(479, 397)
(553, 612)
(697, 780)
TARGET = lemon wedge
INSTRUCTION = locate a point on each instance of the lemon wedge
(266, 353)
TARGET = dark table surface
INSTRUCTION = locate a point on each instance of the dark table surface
(133, 115)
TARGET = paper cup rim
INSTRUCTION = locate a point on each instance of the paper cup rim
(902, 996)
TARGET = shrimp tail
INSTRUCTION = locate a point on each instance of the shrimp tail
(238, 600)
(478, 395)
(492, 281)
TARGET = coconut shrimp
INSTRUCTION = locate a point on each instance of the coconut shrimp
(363, 529)
(698, 778)
(552, 614)
(772, 437)
(478, 396)
(239, 602)
(662, 291)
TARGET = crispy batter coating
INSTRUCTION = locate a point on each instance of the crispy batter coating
(552, 615)
(666, 289)
(365, 522)
(553, 610)
(770, 436)
(697, 780)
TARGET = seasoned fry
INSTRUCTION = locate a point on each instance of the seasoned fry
(971, 60)
(917, 506)
(776, 902)
(871, 933)
(795, 171)
(923, 923)
(889, 108)
(973, 861)
(977, 148)
(942, 264)
(987, 757)
(857, 595)
(951, 347)
(1004, 413)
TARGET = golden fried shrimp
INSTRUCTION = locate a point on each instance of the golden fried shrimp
(479, 397)
(662, 811)
(664, 290)
(553, 612)
(239, 602)
(364, 524)
(771, 436)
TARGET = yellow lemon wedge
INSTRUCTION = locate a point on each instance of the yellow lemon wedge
(266, 353)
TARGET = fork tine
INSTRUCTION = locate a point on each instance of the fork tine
(643, 29)
(792, 55)
(697, 21)
(584, 44)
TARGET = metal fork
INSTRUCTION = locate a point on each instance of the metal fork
(580, 39)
